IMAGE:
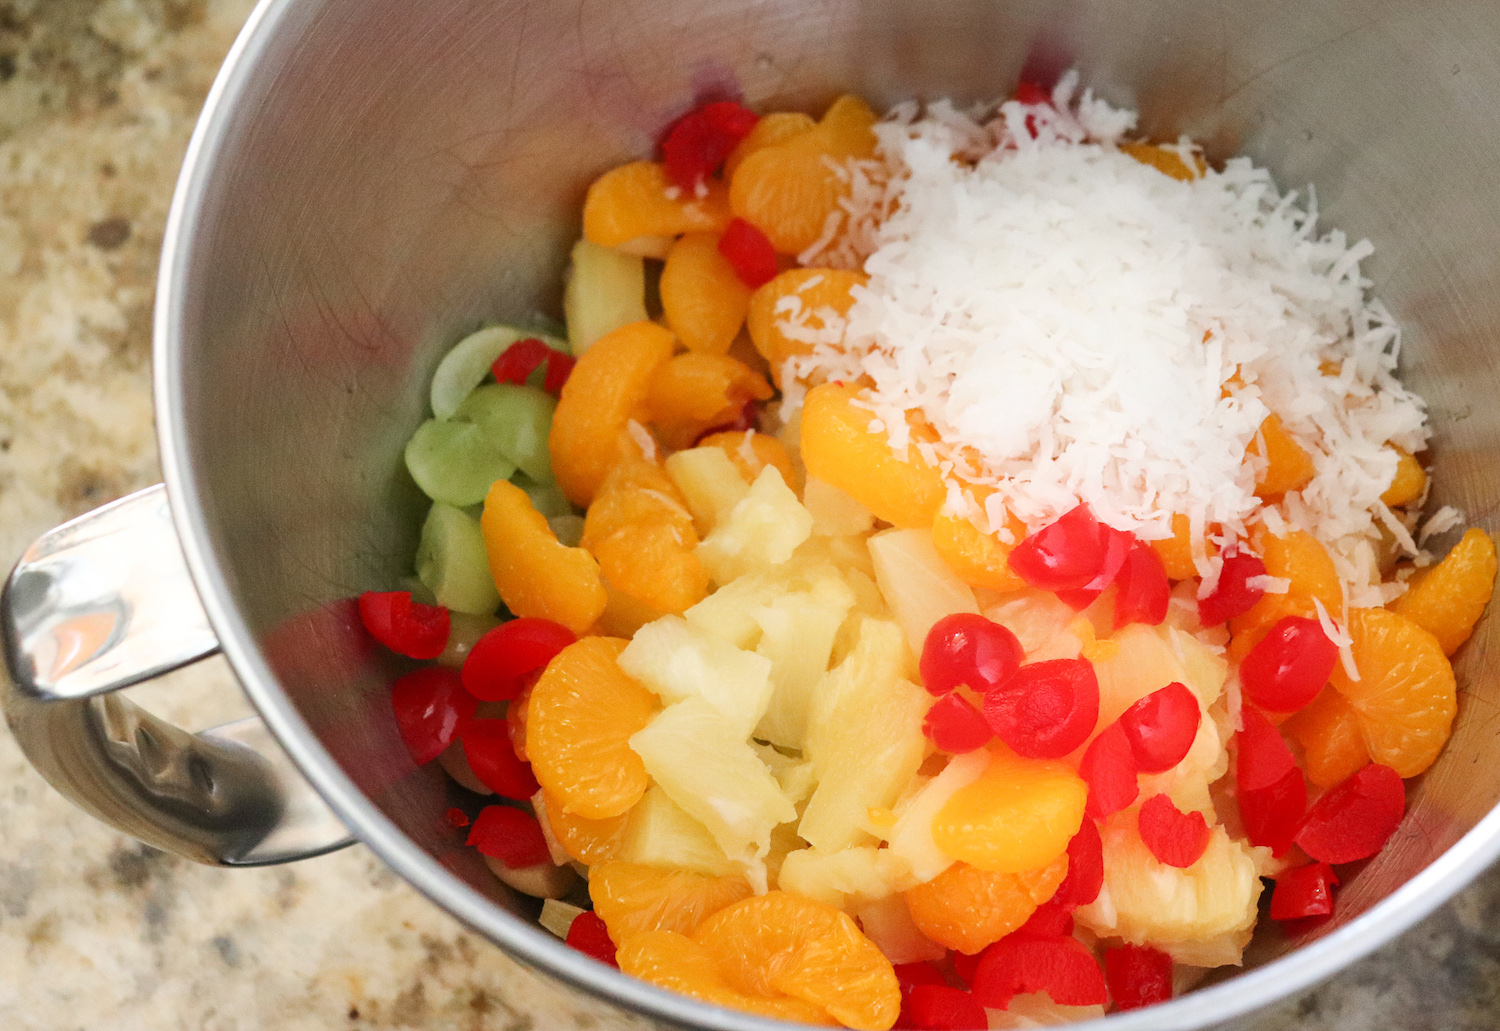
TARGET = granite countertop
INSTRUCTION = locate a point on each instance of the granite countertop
(97, 99)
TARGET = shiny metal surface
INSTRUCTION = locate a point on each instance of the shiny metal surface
(104, 602)
(372, 178)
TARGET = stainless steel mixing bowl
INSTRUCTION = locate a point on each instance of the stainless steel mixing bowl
(372, 178)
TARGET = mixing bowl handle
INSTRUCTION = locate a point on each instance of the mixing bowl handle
(103, 602)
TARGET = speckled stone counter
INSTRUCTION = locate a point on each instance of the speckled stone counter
(97, 99)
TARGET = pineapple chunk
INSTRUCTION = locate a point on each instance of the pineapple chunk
(660, 833)
(834, 512)
(1205, 665)
(794, 775)
(761, 531)
(917, 584)
(1042, 622)
(710, 484)
(864, 737)
(558, 917)
(797, 634)
(1187, 783)
(1036, 1009)
(606, 290)
(1142, 664)
(911, 838)
(1146, 902)
(784, 841)
(867, 597)
(677, 661)
(848, 877)
(847, 553)
(705, 765)
(888, 923)
(729, 612)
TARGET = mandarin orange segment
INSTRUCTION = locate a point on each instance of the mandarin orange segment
(640, 530)
(1166, 160)
(1176, 551)
(781, 943)
(797, 307)
(844, 131)
(536, 574)
(788, 195)
(1302, 559)
(703, 298)
(1019, 815)
(631, 898)
(751, 452)
(694, 392)
(1405, 696)
(966, 908)
(1333, 748)
(607, 388)
(978, 559)
(677, 963)
(774, 128)
(579, 720)
(638, 200)
(1409, 482)
(1447, 599)
(1288, 465)
(588, 841)
(839, 448)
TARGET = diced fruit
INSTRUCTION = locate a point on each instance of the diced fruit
(761, 531)
(1019, 815)
(694, 392)
(587, 841)
(404, 626)
(1045, 709)
(845, 878)
(1167, 161)
(1448, 599)
(1109, 769)
(1176, 551)
(1409, 482)
(916, 583)
(784, 943)
(750, 252)
(1161, 728)
(608, 387)
(589, 936)
(1288, 465)
(509, 835)
(966, 908)
(938, 1007)
(820, 300)
(678, 963)
(455, 462)
(465, 365)
(1233, 595)
(978, 559)
(678, 661)
(451, 561)
(1355, 819)
(729, 612)
(431, 710)
(632, 201)
(1272, 793)
(1066, 555)
(888, 923)
(1303, 891)
(534, 573)
(798, 630)
(704, 764)
(558, 917)
(954, 725)
(540, 880)
(1143, 590)
(660, 833)
(580, 718)
(1137, 976)
(911, 837)
(700, 140)
(1289, 666)
(606, 290)
(632, 898)
(1085, 869)
(499, 665)
(516, 419)
(1333, 747)
(704, 299)
(1147, 901)
(1143, 662)
(1173, 837)
(640, 530)
(710, 483)
(487, 750)
(1405, 696)
(1062, 967)
(772, 129)
(864, 737)
(968, 649)
(750, 452)
(1302, 559)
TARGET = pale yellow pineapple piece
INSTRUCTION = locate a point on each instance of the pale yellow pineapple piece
(710, 483)
(917, 584)
(558, 917)
(606, 290)
(1042, 623)
(1036, 1009)
(677, 660)
(729, 612)
(798, 630)
(911, 838)
(661, 833)
(1187, 783)
(709, 769)
(796, 776)
(834, 512)
(760, 532)
(849, 877)
(1143, 663)
(1146, 902)
(887, 922)
(864, 737)
(1204, 664)
(847, 553)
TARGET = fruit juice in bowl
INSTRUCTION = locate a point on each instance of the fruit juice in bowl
(960, 568)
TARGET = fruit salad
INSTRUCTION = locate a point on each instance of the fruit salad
(962, 569)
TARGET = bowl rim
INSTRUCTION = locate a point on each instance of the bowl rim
(270, 21)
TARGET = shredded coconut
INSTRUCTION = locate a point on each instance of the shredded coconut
(1078, 326)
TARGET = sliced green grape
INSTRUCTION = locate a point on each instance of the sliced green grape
(451, 560)
(464, 367)
(455, 462)
(516, 420)
(546, 498)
